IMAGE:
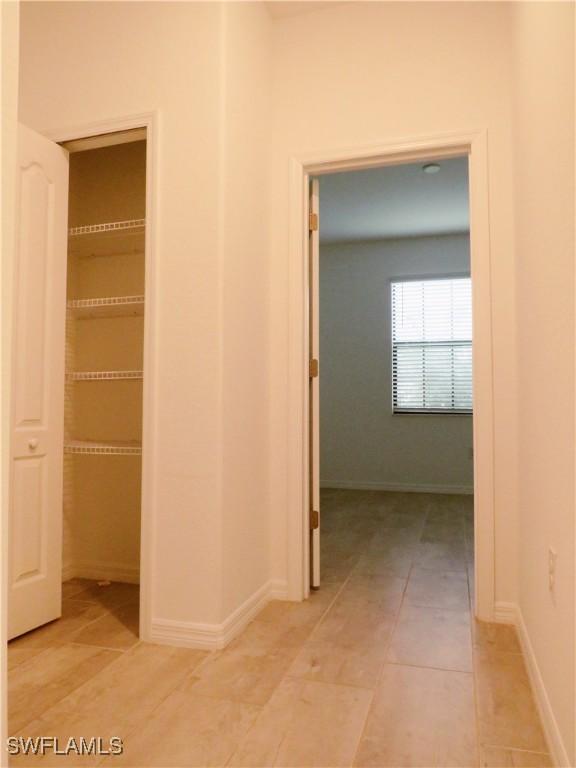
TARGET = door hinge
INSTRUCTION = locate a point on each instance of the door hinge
(313, 368)
(314, 519)
(313, 222)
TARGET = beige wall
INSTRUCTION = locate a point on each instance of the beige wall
(213, 352)
(362, 442)
(544, 196)
(367, 73)
(347, 76)
(192, 63)
(9, 38)
(244, 413)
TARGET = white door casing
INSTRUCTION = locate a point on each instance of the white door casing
(474, 144)
(314, 394)
(37, 412)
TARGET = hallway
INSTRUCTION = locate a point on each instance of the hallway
(381, 667)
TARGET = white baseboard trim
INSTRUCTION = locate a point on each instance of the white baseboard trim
(505, 613)
(369, 485)
(100, 570)
(216, 636)
(278, 589)
(510, 613)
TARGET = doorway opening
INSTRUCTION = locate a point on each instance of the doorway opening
(391, 411)
(301, 490)
(90, 566)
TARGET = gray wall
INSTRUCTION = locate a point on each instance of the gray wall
(362, 443)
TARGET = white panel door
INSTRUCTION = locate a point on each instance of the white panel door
(314, 391)
(37, 418)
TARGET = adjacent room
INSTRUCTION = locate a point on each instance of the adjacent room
(395, 402)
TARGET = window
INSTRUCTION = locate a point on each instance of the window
(432, 345)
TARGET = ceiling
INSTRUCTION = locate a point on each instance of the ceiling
(396, 201)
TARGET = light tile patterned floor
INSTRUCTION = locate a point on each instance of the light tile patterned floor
(382, 667)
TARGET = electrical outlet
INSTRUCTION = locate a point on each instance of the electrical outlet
(552, 557)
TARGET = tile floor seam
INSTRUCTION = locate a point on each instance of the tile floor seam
(364, 727)
(59, 703)
(111, 664)
(233, 752)
(88, 624)
(103, 647)
(515, 749)
(328, 608)
(229, 699)
(427, 666)
(74, 710)
(396, 621)
(122, 602)
(383, 665)
(26, 662)
(75, 600)
(135, 726)
(288, 676)
(474, 675)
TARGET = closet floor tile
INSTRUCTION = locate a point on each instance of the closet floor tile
(72, 587)
(75, 615)
(108, 595)
(117, 629)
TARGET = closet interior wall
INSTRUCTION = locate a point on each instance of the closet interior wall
(104, 345)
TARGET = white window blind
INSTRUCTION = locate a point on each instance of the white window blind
(432, 345)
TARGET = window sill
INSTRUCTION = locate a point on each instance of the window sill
(431, 412)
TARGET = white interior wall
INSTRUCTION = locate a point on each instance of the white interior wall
(244, 414)
(361, 74)
(9, 45)
(363, 444)
(348, 76)
(544, 197)
(102, 494)
(191, 64)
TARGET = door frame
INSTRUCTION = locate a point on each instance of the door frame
(473, 144)
(148, 506)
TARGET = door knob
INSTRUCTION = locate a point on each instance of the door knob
(33, 444)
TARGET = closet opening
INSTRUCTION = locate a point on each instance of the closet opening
(79, 374)
(104, 379)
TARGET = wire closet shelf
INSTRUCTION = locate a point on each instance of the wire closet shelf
(89, 447)
(110, 226)
(112, 238)
(103, 375)
(106, 239)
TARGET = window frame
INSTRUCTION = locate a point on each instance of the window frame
(424, 411)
